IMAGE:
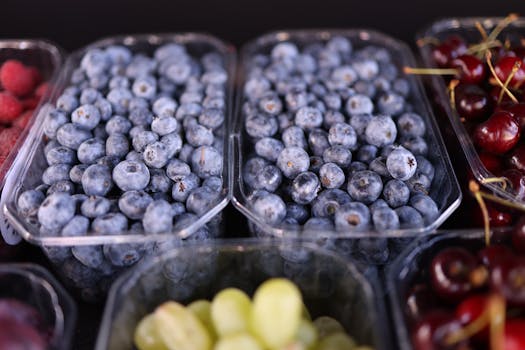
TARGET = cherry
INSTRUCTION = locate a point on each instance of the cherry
(449, 49)
(497, 217)
(518, 235)
(450, 272)
(498, 134)
(419, 301)
(491, 162)
(516, 158)
(495, 93)
(469, 310)
(504, 67)
(518, 112)
(493, 254)
(471, 69)
(472, 102)
(517, 180)
(431, 332)
(15, 335)
(514, 334)
(508, 278)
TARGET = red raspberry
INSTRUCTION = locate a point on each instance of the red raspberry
(17, 78)
(42, 89)
(30, 102)
(8, 138)
(10, 108)
(37, 76)
(21, 122)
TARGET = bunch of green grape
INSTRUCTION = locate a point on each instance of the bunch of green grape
(276, 319)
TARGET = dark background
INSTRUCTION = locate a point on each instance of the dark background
(73, 23)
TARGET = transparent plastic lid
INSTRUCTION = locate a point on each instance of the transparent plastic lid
(31, 163)
(444, 189)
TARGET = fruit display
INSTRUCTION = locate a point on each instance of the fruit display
(132, 145)
(479, 79)
(336, 137)
(273, 319)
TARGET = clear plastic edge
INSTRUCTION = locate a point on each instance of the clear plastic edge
(119, 287)
(239, 198)
(479, 171)
(27, 153)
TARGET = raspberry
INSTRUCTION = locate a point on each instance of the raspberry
(10, 107)
(30, 102)
(21, 122)
(41, 89)
(37, 76)
(9, 137)
(17, 78)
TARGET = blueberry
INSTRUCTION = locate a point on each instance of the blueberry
(382, 85)
(318, 141)
(332, 117)
(378, 165)
(365, 186)
(268, 179)
(134, 131)
(198, 135)
(168, 51)
(145, 87)
(105, 109)
(425, 206)
(355, 167)
(91, 150)
(95, 206)
(159, 182)
(110, 224)
(140, 65)
(158, 218)
(409, 217)
(251, 169)
(269, 207)
(411, 124)
(141, 116)
(86, 116)
(178, 72)
(329, 201)
(359, 104)
(332, 101)
(425, 167)
(396, 193)
(367, 153)
(315, 164)
(391, 103)
(109, 161)
(173, 143)
(61, 186)
(385, 151)
(89, 96)
(359, 122)
(270, 104)
(319, 225)
(284, 50)
(401, 164)
(379, 203)
(295, 100)
(188, 109)
(134, 155)
(29, 201)
(345, 75)
(190, 97)
(201, 200)
(55, 173)
(131, 175)
(143, 139)
(308, 118)
(76, 172)
(401, 86)
(254, 88)
(100, 132)
(339, 44)
(90, 256)
(352, 216)
(118, 125)
(183, 185)
(298, 212)
(342, 134)
(305, 187)
(77, 226)
(119, 99)
(294, 137)
(331, 175)
(385, 218)
(71, 135)
(338, 155)
(124, 254)
(381, 131)
(56, 210)
(60, 155)
(212, 118)
(206, 161)
(292, 161)
(96, 180)
(417, 145)
(133, 204)
(164, 107)
(366, 69)
(260, 125)
(176, 168)
(119, 82)
(268, 148)
(178, 208)
(186, 152)
(164, 125)
(53, 121)
(67, 103)
(95, 62)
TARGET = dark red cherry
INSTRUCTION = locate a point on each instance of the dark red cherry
(472, 102)
(495, 92)
(516, 159)
(449, 49)
(518, 235)
(504, 67)
(517, 180)
(497, 217)
(420, 300)
(491, 162)
(471, 69)
(518, 112)
(15, 335)
(450, 272)
(514, 334)
(470, 309)
(508, 278)
(431, 332)
(498, 134)
(493, 254)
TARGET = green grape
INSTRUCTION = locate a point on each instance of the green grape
(327, 325)
(180, 329)
(277, 308)
(337, 341)
(307, 334)
(230, 311)
(202, 309)
(146, 336)
(306, 313)
(238, 341)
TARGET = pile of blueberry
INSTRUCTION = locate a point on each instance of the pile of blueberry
(133, 144)
(336, 142)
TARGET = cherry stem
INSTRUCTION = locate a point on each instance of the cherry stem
(482, 47)
(481, 30)
(452, 88)
(430, 71)
(515, 67)
(501, 25)
(474, 188)
(502, 201)
(491, 67)
(479, 276)
(427, 40)
(490, 180)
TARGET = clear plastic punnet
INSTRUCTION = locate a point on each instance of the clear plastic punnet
(444, 189)
(330, 286)
(466, 29)
(35, 286)
(30, 165)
